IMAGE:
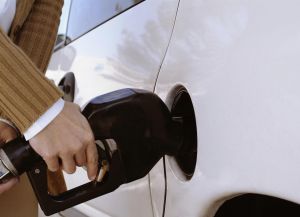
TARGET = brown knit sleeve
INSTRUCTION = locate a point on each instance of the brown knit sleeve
(37, 35)
(25, 93)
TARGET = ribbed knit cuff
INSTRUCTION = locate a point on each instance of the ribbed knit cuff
(25, 93)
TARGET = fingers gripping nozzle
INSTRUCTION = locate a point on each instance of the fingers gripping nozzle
(133, 129)
(140, 124)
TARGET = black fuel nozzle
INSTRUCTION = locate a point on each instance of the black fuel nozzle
(133, 129)
(16, 157)
(141, 126)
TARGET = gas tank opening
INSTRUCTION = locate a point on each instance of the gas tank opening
(181, 106)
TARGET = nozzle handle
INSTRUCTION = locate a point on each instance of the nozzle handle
(140, 124)
(18, 156)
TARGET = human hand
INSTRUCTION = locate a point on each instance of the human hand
(68, 138)
(7, 133)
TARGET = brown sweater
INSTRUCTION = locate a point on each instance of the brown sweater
(25, 93)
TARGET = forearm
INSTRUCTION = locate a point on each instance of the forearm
(37, 35)
(25, 93)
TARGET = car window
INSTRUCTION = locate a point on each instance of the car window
(88, 14)
(62, 30)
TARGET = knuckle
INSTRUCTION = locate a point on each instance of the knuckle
(67, 171)
(48, 155)
(91, 139)
(81, 162)
(70, 170)
(65, 152)
(92, 159)
(53, 168)
(78, 147)
(68, 150)
(79, 159)
(88, 138)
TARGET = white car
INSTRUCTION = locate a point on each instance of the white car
(234, 63)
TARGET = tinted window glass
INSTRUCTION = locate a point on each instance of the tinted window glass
(87, 14)
(62, 30)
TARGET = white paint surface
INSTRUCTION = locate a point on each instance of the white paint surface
(127, 51)
(240, 62)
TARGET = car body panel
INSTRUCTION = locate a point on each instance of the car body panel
(127, 51)
(239, 60)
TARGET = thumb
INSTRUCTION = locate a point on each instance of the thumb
(7, 133)
(8, 185)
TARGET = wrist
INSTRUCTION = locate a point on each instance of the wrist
(44, 120)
